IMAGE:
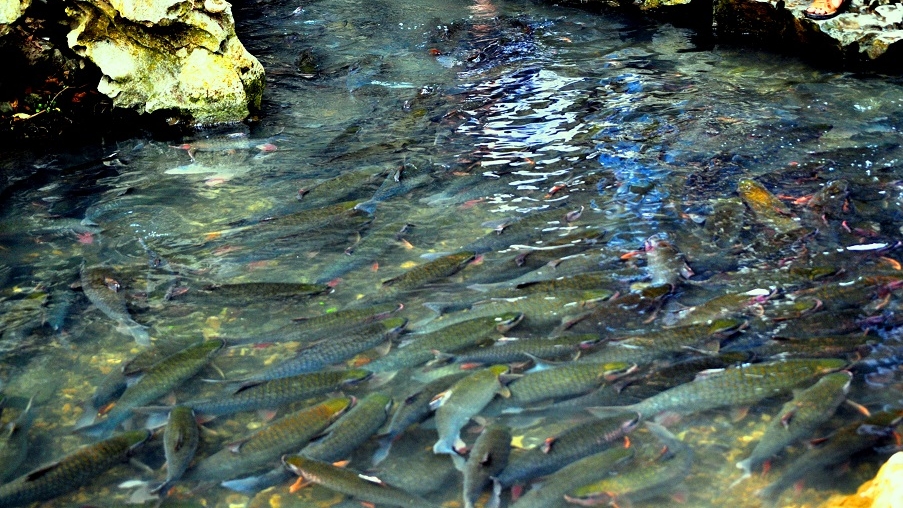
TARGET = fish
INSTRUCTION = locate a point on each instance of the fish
(564, 380)
(725, 222)
(767, 208)
(520, 230)
(255, 291)
(640, 483)
(368, 249)
(277, 392)
(262, 448)
(156, 381)
(521, 350)
(665, 262)
(576, 474)
(365, 488)
(180, 441)
(72, 471)
(850, 439)
(559, 268)
(464, 400)
(799, 418)
(584, 439)
(14, 441)
(318, 355)
(351, 430)
(414, 408)
(424, 346)
(487, 458)
(102, 289)
(430, 271)
(665, 341)
(733, 386)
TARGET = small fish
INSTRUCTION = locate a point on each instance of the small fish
(521, 350)
(563, 381)
(157, 381)
(72, 471)
(102, 290)
(259, 450)
(14, 441)
(255, 291)
(270, 394)
(734, 386)
(180, 441)
(576, 474)
(430, 271)
(365, 488)
(840, 446)
(666, 263)
(641, 483)
(487, 458)
(799, 418)
(584, 439)
(464, 400)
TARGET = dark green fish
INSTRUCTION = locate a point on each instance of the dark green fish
(562, 381)
(256, 291)
(158, 380)
(586, 438)
(349, 483)
(521, 350)
(430, 271)
(558, 268)
(641, 483)
(14, 442)
(329, 216)
(464, 400)
(424, 346)
(72, 471)
(581, 472)
(856, 437)
(415, 408)
(262, 449)
(725, 222)
(270, 394)
(520, 230)
(799, 418)
(734, 386)
(487, 458)
(180, 441)
(370, 248)
(103, 290)
(328, 352)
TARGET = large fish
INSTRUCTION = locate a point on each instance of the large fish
(586, 438)
(180, 441)
(464, 400)
(262, 449)
(14, 441)
(327, 352)
(157, 381)
(550, 492)
(521, 350)
(768, 209)
(487, 458)
(563, 381)
(270, 394)
(430, 271)
(799, 418)
(72, 471)
(256, 291)
(365, 488)
(734, 386)
(102, 289)
(641, 483)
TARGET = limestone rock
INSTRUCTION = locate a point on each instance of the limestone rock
(10, 11)
(883, 491)
(172, 55)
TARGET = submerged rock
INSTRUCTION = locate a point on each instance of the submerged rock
(173, 55)
(883, 491)
(10, 11)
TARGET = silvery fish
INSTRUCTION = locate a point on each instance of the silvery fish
(180, 441)
(584, 439)
(799, 418)
(157, 381)
(487, 458)
(734, 386)
(349, 483)
(72, 471)
(262, 449)
(102, 290)
(464, 400)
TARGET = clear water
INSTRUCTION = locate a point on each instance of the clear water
(483, 111)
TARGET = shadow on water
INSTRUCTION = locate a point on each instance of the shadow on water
(633, 207)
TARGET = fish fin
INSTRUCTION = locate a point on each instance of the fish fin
(385, 444)
(38, 473)
(546, 445)
(140, 465)
(495, 499)
(508, 378)
(540, 364)
(504, 391)
(609, 411)
(384, 348)
(298, 484)
(378, 379)
(439, 307)
(739, 413)
(787, 417)
(235, 446)
(858, 407)
(746, 466)
(267, 414)
(439, 399)
(458, 462)
(245, 385)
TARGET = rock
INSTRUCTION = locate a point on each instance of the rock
(169, 55)
(883, 491)
(10, 11)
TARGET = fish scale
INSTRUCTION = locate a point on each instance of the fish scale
(562, 381)
(464, 400)
(734, 386)
(110, 301)
(72, 471)
(180, 441)
(487, 458)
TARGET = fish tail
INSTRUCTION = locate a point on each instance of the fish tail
(385, 444)
(746, 466)
(139, 333)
